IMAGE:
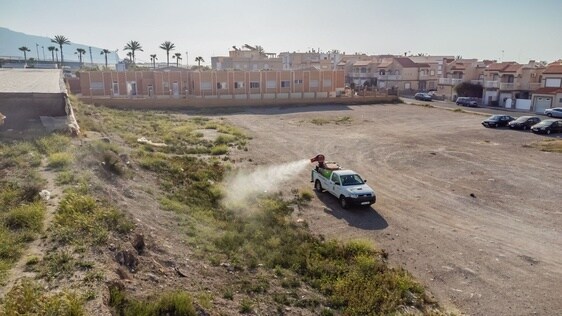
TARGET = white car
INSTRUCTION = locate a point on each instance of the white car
(554, 112)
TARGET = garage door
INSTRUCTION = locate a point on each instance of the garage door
(541, 104)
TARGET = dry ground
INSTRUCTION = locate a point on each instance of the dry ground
(498, 252)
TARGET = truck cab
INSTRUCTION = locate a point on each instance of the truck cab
(346, 185)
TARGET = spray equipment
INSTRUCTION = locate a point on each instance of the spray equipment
(323, 164)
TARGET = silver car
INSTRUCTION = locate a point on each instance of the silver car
(554, 112)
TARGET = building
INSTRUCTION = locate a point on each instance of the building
(403, 74)
(233, 84)
(248, 58)
(507, 82)
(549, 95)
(457, 71)
(32, 96)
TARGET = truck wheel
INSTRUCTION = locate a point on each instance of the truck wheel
(318, 186)
(343, 202)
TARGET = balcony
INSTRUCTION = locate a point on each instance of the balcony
(491, 84)
(530, 86)
(509, 85)
(480, 82)
(389, 77)
(450, 81)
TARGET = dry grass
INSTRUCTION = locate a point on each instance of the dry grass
(550, 145)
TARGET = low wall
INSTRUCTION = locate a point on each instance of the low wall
(200, 103)
(22, 109)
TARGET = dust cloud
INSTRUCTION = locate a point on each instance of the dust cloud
(245, 185)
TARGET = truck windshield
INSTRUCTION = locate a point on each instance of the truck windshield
(351, 179)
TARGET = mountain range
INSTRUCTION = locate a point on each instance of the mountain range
(10, 41)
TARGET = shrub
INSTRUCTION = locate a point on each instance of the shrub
(59, 160)
(29, 298)
(219, 150)
(26, 217)
(170, 303)
(53, 143)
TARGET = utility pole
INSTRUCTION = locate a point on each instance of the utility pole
(37, 48)
(186, 60)
(91, 58)
(43, 48)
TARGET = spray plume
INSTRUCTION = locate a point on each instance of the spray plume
(245, 185)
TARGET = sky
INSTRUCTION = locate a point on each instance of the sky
(504, 30)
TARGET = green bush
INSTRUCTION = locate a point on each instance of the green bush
(59, 160)
(26, 217)
(53, 143)
(219, 150)
(176, 303)
(29, 298)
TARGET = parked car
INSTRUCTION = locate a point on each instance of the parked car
(464, 101)
(422, 96)
(524, 122)
(548, 126)
(554, 112)
(497, 120)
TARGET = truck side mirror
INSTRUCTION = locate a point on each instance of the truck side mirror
(365, 180)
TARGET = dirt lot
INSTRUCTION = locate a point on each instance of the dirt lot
(473, 213)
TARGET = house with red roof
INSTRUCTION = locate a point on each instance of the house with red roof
(549, 95)
(510, 84)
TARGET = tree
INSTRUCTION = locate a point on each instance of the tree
(80, 52)
(467, 89)
(199, 59)
(52, 50)
(167, 46)
(105, 52)
(61, 40)
(133, 46)
(24, 49)
(177, 56)
(153, 59)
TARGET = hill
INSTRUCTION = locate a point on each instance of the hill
(10, 41)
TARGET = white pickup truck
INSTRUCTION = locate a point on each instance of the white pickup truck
(346, 185)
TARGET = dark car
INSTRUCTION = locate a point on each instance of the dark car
(422, 96)
(464, 101)
(548, 126)
(497, 120)
(524, 122)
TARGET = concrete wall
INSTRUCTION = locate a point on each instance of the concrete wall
(22, 109)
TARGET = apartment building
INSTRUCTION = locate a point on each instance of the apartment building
(549, 95)
(248, 58)
(402, 73)
(506, 83)
(305, 83)
(297, 61)
(457, 71)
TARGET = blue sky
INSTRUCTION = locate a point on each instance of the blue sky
(494, 29)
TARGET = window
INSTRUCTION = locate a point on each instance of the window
(285, 84)
(363, 70)
(553, 82)
(298, 81)
(397, 72)
(254, 85)
(314, 83)
(239, 85)
(327, 83)
(407, 86)
(560, 100)
(221, 85)
(166, 85)
(432, 73)
(96, 85)
(382, 72)
(206, 85)
(271, 84)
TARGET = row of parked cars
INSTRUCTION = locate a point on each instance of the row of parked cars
(533, 123)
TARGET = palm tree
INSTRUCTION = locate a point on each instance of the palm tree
(24, 49)
(167, 46)
(105, 52)
(199, 59)
(57, 54)
(153, 59)
(61, 40)
(80, 52)
(178, 58)
(133, 46)
(52, 50)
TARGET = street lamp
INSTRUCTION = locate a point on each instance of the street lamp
(37, 49)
